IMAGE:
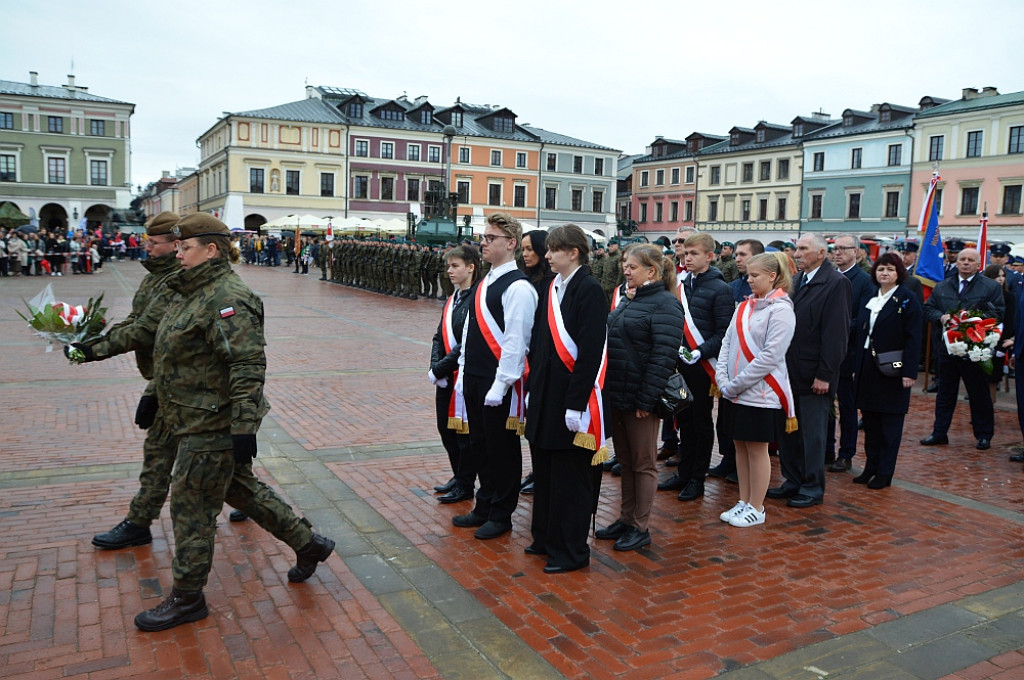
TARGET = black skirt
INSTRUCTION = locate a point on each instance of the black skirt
(754, 424)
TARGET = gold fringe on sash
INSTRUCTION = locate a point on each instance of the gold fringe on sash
(459, 425)
(714, 391)
(600, 457)
(791, 425)
(585, 440)
(515, 425)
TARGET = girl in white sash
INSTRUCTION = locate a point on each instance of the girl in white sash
(751, 373)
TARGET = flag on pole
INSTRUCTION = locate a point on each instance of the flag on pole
(983, 239)
(330, 232)
(930, 268)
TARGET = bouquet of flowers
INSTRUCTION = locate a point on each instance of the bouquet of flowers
(969, 334)
(63, 322)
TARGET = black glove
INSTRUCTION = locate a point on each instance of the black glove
(243, 447)
(86, 351)
(145, 413)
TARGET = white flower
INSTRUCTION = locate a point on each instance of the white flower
(991, 339)
(958, 348)
(977, 354)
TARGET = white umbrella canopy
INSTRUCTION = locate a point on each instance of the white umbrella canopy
(393, 226)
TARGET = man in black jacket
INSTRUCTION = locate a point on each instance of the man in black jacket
(863, 289)
(708, 304)
(822, 299)
(967, 289)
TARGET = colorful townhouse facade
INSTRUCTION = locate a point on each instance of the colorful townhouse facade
(856, 172)
(665, 187)
(976, 144)
(65, 153)
(342, 153)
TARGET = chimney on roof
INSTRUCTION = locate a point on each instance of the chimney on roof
(33, 78)
(71, 80)
(875, 108)
(820, 115)
(969, 93)
(422, 98)
(312, 92)
(989, 91)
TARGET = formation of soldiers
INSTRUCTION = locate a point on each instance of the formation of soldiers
(398, 268)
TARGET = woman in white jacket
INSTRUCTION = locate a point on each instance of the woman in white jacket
(751, 373)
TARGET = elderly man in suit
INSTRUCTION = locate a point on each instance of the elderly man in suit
(967, 289)
(863, 289)
(822, 301)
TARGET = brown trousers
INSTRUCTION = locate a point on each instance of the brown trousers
(636, 447)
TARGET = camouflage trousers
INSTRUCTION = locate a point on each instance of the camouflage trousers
(158, 453)
(202, 482)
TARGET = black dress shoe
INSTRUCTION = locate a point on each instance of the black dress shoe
(446, 487)
(933, 388)
(633, 540)
(672, 462)
(534, 549)
(781, 492)
(559, 569)
(673, 483)
(1017, 458)
(935, 440)
(469, 520)
(863, 478)
(456, 495)
(124, 535)
(615, 531)
(802, 501)
(692, 491)
(666, 451)
(492, 529)
(238, 516)
(179, 607)
(983, 444)
(608, 464)
(880, 482)
(617, 470)
(720, 471)
(841, 465)
(308, 556)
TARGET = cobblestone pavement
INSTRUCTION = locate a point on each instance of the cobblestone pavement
(922, 580)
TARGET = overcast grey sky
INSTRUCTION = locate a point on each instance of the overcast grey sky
(614, 73)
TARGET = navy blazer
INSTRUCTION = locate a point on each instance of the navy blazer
(898, 327)
(822, 309)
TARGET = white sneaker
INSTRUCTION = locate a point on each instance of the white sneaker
(748, 517)
(733, 511)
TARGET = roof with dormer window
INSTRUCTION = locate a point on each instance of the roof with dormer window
(867, 122)
(51, 92)
(975, 104)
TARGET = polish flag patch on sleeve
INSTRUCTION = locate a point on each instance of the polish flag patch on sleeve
(226, 312)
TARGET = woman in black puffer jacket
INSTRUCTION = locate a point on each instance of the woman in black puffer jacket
(644, 335)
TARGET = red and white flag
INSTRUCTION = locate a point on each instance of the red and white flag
(983, 239)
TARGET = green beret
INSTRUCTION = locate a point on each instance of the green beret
(728, 243)
(162, 223)
(200, 224)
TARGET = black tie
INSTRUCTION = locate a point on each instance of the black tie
(963, 286)
(803, 280)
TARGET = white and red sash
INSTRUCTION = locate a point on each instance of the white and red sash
(592, 435)
(616, 296)
(457, 404)
(777, 380)
(494, 337)
(693, 336)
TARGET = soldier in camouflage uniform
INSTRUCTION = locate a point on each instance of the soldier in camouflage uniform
(205, 333)
(447, 288)
(726, 262)
(611, 271)
(159, 448)
(413, 263)
(598, 262)
(323, 259)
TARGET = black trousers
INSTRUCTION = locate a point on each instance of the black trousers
(456, 445)
(495, 451)
(883, 433)
(696, 426)
(951, 371)
(723, 430)
(565, 488)
(802, 453)
(846, 395)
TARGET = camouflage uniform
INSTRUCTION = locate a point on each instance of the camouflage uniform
(209, 370)
(413, 263)
(727, 265)
(611, 273)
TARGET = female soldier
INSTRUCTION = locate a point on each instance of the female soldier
(209, 369)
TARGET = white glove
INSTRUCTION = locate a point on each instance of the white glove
(496, 394)
(573, 420)
(431, 377)
(694, 358)
(442, 383)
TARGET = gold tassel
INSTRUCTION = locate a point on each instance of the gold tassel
(600, 457)
(454, 423)
(714, 392)
(464, 428)
(585, 440)
(512, 423)
(521, 428)
(791, 425)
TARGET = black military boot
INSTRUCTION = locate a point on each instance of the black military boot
(317, 550)
(181, 606)
(124, 535)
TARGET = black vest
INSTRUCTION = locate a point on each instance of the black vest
(480, 360)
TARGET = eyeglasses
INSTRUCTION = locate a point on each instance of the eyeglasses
(490, 237)
(844, 247)
(679, 241)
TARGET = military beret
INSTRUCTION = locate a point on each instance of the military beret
(728, 243)
(1000, 249)
(162, 223)
(200, 224)
(613, 240)
(865, 247)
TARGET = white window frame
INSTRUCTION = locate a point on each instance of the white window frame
(501, 194)
(355, 148)
(521, 155)
(526, 194)
(391, 148)
(59, 152)
(501, 158)
(645, 178)
(431, 149)
(469, 154)
(419, 152)
(13, 150)
(690, 175)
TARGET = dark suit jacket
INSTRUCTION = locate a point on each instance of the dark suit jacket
(898, 326)
(982, 294)
(862, 289)
(551, 386)
(822, 332)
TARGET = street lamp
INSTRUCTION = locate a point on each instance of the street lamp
(449, 133)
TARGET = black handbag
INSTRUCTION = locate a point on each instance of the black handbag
(890, 364)
(675, 397)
